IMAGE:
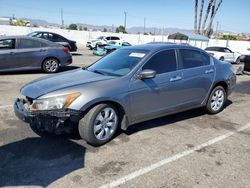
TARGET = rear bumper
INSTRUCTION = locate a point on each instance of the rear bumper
(57, 116)
(66, 61)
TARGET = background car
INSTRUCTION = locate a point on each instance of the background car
(28, 53)
(224, 54)
(101, 40)
(103, 49)
(53, 37)
(128, 86)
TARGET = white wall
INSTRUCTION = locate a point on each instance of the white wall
(83, 36)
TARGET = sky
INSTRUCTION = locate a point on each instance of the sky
(233, 15)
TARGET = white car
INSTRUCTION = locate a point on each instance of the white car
(101, 40)
(224, 54)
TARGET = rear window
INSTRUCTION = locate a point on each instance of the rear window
(193, 58)
(27, 43)
(7, 44)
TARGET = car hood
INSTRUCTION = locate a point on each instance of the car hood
(49, 84)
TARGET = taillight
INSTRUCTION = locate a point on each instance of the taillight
(66, 49)
(212, 54)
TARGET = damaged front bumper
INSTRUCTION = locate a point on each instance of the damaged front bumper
(53, 116)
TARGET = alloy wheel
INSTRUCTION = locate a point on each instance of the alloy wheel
(105, 123)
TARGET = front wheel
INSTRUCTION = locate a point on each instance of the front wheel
(216, 100)
(99, 125)
(50, 65)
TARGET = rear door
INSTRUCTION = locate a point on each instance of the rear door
(198, 74)
(7, 54)
(30, 53)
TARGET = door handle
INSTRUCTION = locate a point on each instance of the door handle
(175, 78)
(12, 53)
(42, 50)
(209, 71)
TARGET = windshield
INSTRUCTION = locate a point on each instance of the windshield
(119, 62)
(100, 38)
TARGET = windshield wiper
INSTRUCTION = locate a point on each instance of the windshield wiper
(98, 72)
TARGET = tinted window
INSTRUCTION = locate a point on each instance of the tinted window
(115, 38)
(108, 38)
(7, 44)
(217, 49)
(193, 58)
(162, 62)
(27, 43)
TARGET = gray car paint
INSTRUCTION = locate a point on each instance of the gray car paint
(140, 99)
(30, 58)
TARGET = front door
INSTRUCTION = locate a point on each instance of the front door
(153, 97)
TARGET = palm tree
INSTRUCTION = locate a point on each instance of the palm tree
(211, 2)
(195, 15)
(200, 18)
(216, 8)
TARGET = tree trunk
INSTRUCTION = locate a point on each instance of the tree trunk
(212, 18)
(206, 15)
(200, 18)
(195, 15)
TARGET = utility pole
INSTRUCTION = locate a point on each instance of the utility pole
(144, 27)
(217, 25)
(62, 18)
(125, 20)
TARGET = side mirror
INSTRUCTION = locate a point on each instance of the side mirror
(146, 74)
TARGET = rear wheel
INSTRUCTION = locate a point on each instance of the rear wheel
(50, 65)
(216, 100)
(99, 125)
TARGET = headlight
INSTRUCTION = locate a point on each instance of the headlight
(54, 103)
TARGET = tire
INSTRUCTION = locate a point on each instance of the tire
(216, 100)
(237, 61)
(221, 59)
(99, 126)
(50, 65)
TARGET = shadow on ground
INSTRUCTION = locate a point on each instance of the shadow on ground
(39, 162)
(168, 120)
(62, 69)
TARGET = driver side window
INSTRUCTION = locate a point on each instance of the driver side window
(162, 62)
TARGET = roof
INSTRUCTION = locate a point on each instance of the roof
(158, 46)
(188, 36)
(2, 37)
